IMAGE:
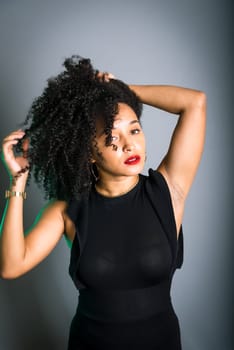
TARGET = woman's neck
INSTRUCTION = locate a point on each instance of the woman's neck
(116, 187)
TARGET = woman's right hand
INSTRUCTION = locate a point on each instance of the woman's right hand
(15, 164)
(105, 76)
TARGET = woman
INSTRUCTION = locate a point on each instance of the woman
(84, 143)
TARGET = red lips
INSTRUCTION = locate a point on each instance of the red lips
(132, 160)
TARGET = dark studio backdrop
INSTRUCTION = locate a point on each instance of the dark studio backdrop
(179, 42)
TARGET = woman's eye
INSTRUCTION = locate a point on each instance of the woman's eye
(135, 131)
(114, 138)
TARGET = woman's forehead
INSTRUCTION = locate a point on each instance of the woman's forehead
(124, 114)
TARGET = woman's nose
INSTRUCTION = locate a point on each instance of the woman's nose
(128, 147)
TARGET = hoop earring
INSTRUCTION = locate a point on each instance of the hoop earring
(94, 172)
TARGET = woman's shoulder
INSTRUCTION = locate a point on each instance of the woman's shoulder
(55, 209)
(156, 179)
(56, 205)
(61, 206)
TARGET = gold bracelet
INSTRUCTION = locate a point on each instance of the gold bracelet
(9, 194)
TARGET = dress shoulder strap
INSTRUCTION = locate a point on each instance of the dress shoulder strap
(77, 210)
(159, 195)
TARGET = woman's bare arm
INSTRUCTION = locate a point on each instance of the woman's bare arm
(19, 252)
(180, 164)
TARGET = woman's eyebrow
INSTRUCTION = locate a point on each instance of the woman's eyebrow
(130, 123)
(134, 121)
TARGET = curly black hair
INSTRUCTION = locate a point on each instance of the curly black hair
(61, 126)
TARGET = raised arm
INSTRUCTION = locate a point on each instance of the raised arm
(180, 164)
(19, 252)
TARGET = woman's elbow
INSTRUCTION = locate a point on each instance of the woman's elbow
(201, 99)
(9, 274)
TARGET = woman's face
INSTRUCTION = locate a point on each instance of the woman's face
(126, 154)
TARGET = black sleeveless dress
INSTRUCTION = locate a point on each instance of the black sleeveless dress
(123, 258)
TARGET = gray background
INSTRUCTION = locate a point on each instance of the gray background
(181, 42)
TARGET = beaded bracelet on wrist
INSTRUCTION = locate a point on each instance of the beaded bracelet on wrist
(19, 173)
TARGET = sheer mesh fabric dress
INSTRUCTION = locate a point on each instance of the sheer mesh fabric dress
(123, 258)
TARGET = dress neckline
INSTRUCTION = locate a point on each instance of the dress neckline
(121, 195)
